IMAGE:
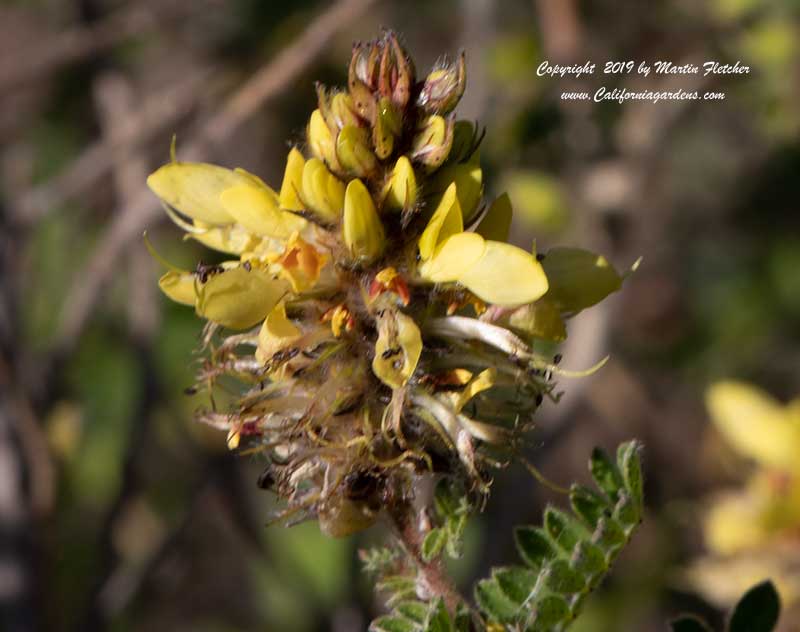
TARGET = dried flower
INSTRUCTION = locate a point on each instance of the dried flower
(379, 338)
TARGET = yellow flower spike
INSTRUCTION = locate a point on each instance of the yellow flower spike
(320, 140)
(179, 286)
(194, 189)
(323, 192)
(445, 221)
(277, 333)
(340, 321)
(362, 229)
(301, 263)
(400, 192)
(239, 298)
(354, 152)
(481, 382)
(292, 181)
(505, 275)
(754, 424)
(257, 209)
(397, 349)
(454, 255)
(496, 224)
(468, 178)
(579, 278)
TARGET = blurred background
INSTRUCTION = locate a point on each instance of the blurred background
(118, 512)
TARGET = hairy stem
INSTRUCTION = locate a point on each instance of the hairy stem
(431, 575)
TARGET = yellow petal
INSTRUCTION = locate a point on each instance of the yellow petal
(468, 179)
(455, 254)
(179, 286)
(323, 192)
(401, 188)
(397, 349)
(258, 211)
(481, 382)
(754, 424)
(194, 189)
(496, 224)
(292, 181)
(239, 298)
(541, 319)
(505, 275)
(301, 263)
(232, 239)
(734, 523)
(579, 278)
(362, 229)
(446, 221)
(277, 333)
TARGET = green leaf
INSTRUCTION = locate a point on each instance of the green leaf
(609, 535)
(492, 600)
(588, 504)
(534, 546)
(463, 622)
(757, 611)
(689, 623)
(433, 543)
(414, 610)
(630, 465)
(605, 473)
(398, 588)
(563, 529)
(549, 613)
(391, 623)
(626, 511)
(589, 560)
(438, 618)
(446, 498)
(516, 582)
(561, 578)
(455, 535)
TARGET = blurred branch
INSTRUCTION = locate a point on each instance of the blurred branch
(560, 29)
(142, 209)
(96, 160)
(84, 41)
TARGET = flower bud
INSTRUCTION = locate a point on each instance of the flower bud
(363, 79)
(321, 141)
(400, 192)
(292, 181)
(338, 109)
(323, 192)
(432, 142)
(386, 129)
(396, 72)
(444, 87)
(354, 152)
(362, 229)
